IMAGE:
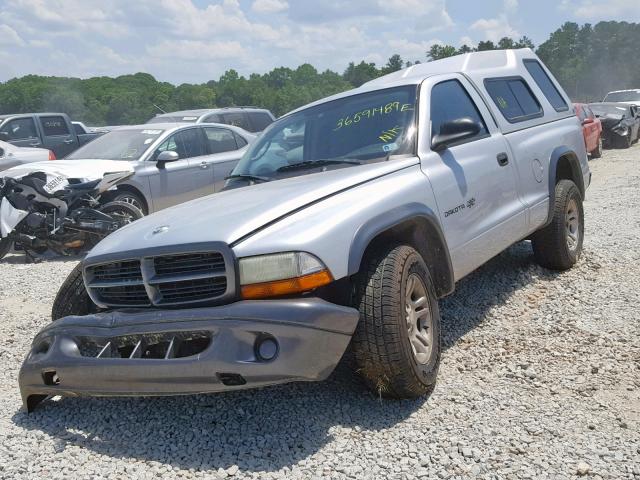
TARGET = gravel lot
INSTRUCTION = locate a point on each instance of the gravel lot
(540, 378)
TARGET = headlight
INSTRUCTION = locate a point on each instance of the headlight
(281, 274)
(622, 131)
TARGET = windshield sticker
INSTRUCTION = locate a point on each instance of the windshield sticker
(148, 141)
(131, 153)
(390, 134)
(151, 132)
(188, 119)
(390, 107)
(390, 147)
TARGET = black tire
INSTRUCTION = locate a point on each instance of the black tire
(128, 212)
(623, 142)
(132, 199)
(597, 153)
(72, 298)
(5, 247)
(551, 245)
(381, 348)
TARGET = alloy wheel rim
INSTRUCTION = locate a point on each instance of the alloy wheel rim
(131, 201)
(419, 319)
(572, 225)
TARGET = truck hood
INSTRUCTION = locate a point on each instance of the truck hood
(86, 170)
(231, 215)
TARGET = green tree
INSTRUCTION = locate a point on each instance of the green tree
(356, 75)
(438, 52)
(394, 64)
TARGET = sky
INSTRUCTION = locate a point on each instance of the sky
(193, 41)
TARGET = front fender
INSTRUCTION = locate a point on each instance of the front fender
(339, 228)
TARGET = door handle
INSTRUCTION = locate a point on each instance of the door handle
(204, 165)
(503, 159)
(68, 141)
(34, 144)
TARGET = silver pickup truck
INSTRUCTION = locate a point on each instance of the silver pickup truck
(364, 209)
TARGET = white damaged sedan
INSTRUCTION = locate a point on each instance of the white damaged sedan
(11, 155)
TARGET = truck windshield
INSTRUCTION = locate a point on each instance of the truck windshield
(631, 96)
(350, 131)
(125, 145)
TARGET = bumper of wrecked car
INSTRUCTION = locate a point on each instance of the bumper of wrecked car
(170, 352)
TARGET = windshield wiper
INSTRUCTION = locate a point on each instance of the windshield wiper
(248, 176)
(316, 163)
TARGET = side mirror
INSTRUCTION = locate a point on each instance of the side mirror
(4, 136)
(455, 131)
(166, 156)
(588, 121)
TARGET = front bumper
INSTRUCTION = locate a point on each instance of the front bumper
(138, 352)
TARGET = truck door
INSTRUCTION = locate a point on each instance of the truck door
(474, 180)
(57, 135)
(21, 132)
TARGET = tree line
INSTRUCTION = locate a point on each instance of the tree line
(587, 60)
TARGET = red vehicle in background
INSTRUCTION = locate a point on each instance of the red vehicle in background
(591, 129)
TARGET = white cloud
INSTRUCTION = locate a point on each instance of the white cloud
(628, 10)
(270, 6)
(494, 28)
(196, 50)
(9, 37)
(510, 6)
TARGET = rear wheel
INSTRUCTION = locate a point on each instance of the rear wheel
(5, 246)
(597, 153)
(72, 298)
(558, 246)
(131, 199)
(124, 212)
(396, 345)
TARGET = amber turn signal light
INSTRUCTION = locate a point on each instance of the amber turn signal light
(289, 286)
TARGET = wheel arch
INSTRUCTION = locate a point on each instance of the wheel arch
(418, 226)
(563, 165)
(131, 189)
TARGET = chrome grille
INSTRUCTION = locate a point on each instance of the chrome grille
(163, 277)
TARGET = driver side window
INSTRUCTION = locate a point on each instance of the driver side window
(20, 129)
(450, 101)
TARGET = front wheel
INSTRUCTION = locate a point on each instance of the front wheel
(396, 345)
(558, 245)
(72, 298)
(5, 246)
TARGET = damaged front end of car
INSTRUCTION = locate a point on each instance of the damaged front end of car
(139, 352)
(176, 320)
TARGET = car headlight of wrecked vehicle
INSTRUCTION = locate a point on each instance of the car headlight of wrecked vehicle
(278, 274)
(621, 130)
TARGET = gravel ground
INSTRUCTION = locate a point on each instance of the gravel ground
(540, 378)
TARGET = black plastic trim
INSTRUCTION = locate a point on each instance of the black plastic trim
(442, 267)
